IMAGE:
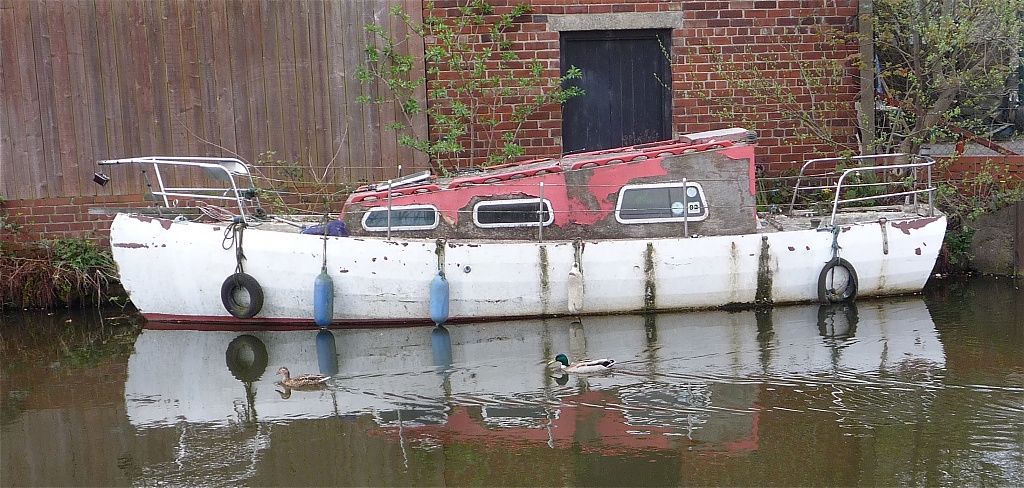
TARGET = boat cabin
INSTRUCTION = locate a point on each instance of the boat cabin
(700, 184)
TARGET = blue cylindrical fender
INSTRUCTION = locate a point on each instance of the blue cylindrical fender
(326, 352)
(323, 299)
(439, 296)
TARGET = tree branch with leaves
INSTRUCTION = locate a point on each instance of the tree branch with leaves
(480, 89)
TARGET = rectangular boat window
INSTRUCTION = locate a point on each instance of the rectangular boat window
(661, 202)
(512, 213)
(408, 217)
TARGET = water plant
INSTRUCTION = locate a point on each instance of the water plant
(43, 273)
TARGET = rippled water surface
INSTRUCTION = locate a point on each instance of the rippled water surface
(912, 391)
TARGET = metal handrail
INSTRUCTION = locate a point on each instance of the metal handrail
(223, 169)
(918, 163)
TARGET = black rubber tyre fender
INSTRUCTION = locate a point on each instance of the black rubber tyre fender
(829, 295)
(246, 358)
(236, 283)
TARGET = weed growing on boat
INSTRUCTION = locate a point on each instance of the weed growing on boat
(481, 90)
(290, 188)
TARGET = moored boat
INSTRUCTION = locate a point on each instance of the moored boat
(663, 226)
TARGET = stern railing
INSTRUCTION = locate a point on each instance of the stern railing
(874, 182)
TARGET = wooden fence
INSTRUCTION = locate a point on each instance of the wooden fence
(84, 80)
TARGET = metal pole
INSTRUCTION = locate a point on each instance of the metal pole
(931, 194)
(389, 210)
(686, 212)
(540, 213)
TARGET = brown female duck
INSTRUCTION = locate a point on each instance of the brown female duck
(302, 381)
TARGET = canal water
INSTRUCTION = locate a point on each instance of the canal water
(923, 390)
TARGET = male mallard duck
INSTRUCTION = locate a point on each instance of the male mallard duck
(582, 366)
(302, 380)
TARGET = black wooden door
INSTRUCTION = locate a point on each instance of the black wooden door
(627, 80)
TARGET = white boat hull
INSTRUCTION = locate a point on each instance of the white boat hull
(174, 271)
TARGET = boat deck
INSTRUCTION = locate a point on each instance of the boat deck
(779, 222)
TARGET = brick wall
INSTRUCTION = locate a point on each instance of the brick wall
(776, 37)
(68, 217)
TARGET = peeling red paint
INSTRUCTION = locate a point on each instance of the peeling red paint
(166, 224)
(744, 153)
(908, 225)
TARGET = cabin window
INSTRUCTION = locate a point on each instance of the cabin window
(512, 213)
(409, 217)
(663, 202)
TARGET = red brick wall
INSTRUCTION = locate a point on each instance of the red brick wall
(779, 29)
(52, 218)
(972, 171)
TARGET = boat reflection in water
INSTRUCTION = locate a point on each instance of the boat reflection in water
(692, 379)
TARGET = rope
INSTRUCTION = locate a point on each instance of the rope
(233, 237)
(578, 253)
(835, 241)
(326, 217)
(439, 250)
(214, 212)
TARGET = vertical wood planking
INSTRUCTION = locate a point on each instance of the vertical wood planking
(388, 158)
(74, 168)
(191, 74)
(303, 83)
(173, 85)
(418, 122)
(289, 125)
(54, 100)
(9, 129)
(256, 97)
(126, 179)
(320, 92)
(337, 97)
(378, 14)
(225, 82)
(140, 81)
(357, 118)
(158, 64)
(97, 79)
(208, 89)
(272, 77)
(93, 100)
(239, 66)
(27, 111)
